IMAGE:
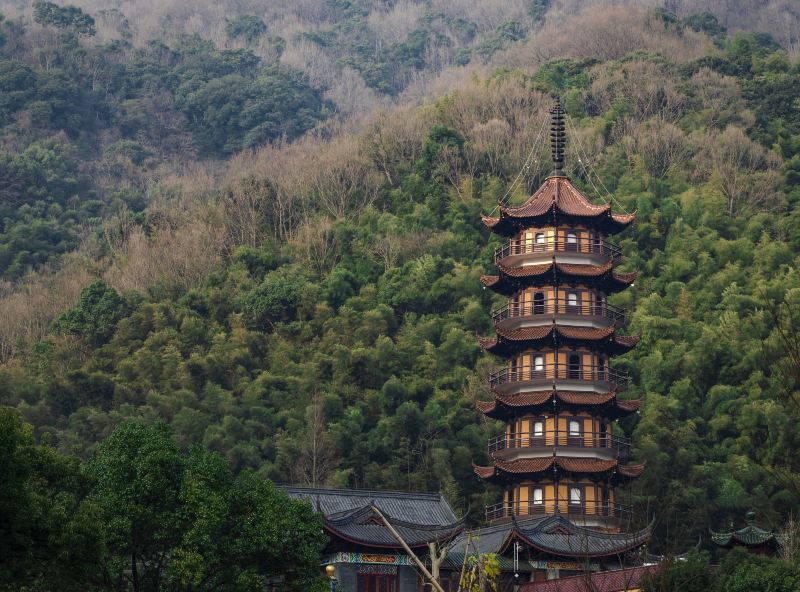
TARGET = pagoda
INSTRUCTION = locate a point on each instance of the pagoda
(753, 538)
(558, 393)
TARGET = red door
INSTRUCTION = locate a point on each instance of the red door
(378, 583)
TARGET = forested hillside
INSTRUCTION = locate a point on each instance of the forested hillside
(194, 232)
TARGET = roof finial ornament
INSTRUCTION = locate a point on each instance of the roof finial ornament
(558, 138)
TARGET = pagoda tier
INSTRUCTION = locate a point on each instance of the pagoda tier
(509, 341)
(587, 501)
(511, 279)
(559, 201)
(607, 404)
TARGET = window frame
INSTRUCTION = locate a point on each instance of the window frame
(574, 487)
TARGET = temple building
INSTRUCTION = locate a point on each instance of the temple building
(560, 461)
(363, 555)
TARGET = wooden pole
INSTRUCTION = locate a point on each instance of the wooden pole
(407, 549)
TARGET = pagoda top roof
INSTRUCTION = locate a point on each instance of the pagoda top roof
(557, 195)
(554, 333)
(420, 518)
(749, 536)
(553, 535)
(529, 466)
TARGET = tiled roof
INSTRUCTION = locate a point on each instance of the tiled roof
(631, 471)
(553, 332)
(527, 466)
(554, 535)
(524, 466)
(749, 536)
(418, 517)
(618, 580)
(361, 526)
(558, 194)
(533, 270)
(489, 280)
(630, 404)
(534, 399)
(605, 273)
(584, 398)
(418, 508)
(585, 270)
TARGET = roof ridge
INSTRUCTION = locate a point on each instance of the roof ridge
(355, 492)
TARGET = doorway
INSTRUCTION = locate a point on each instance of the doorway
(368, 582)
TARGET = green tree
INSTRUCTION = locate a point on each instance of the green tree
(68, 17)
(175, 521)
(47, 541)
(94, 318)
(245, 26)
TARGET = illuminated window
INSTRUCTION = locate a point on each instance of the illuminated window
(574, 427)
(538, 428)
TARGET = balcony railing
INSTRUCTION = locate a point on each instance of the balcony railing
(617, 445)
(559, 306)
(598, 247)
(554, 373)
(599, 509)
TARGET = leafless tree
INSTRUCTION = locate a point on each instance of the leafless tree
(743, 169)
(790, 540)
(28, 307)
(390, 140)
(343, 181)
(315, 241)
(316, 458)
(659, 145)
(391, 247)
(648, 89)
(719, 96)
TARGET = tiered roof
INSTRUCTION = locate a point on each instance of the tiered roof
(503, 469)
(604, 339)
(508, 404)
(751, 536)
(556, 199)
(514, 278)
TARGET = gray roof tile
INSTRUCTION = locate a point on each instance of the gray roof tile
(418, 508)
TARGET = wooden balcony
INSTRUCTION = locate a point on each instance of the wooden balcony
(513, 316)
(529, 252)
(600, 512)
(603, 444)
(565, 377)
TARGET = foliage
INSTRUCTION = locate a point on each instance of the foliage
(740, 572)
(68, 107)
(480, 573)
(183, 522)
(356, 332)
(142, 515)
(94, 318)
(246, 26)
(46, 540)
(64, 17)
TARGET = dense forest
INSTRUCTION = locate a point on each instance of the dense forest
(210, 256)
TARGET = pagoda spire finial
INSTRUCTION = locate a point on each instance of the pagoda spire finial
(558, 138)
